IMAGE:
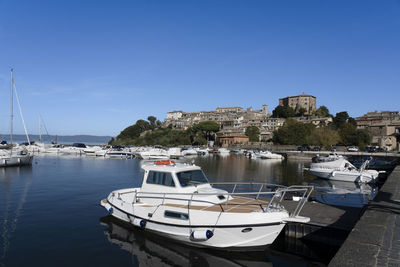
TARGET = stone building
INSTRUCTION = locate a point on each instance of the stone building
(230, 119)
(376, 117)
(317, 121)
(383, 127)
(308, 102)
(231, 139)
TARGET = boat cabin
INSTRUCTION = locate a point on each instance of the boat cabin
(79, 145)
(170, 177)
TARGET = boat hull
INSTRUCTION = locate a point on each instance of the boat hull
(224, 236)
(16, 161)
(346, 176)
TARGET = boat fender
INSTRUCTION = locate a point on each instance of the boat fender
(109, 208)
(201, 235)
(139, 222)
(333, 174)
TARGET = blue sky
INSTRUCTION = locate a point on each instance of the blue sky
(95, 67)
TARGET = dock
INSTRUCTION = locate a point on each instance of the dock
(310, 154)
(328, 224)
(375, 239)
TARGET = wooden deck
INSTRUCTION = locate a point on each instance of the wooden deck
(237, 205)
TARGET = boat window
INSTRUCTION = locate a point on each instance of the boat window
(81, 145)
(193, 177)
(160, 178)
(176, 215)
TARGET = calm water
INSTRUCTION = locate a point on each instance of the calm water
(50, 216)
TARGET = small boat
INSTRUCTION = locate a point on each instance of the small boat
(75, 148)
(174, 152)
(119, 152)
(54, 149)
(203, 152)
(223, 150)
(189, 152)
(15, 158)
(177, 201)
(327, 158)
(342, 170)
(268, 155)
(91, 150)
(154, 154)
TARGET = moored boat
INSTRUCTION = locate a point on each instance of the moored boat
(342, 170)
(268, 155)
(177, 201)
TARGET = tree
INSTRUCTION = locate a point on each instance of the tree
(322, 111)
(293, 133)
(152, 121)
(324, 137)
(341, 118)
(134, 130)
(351, 136)
(112, 140)
(352, 121)
(253, 133)
(283, 112)
(206, 128)
(301, 112)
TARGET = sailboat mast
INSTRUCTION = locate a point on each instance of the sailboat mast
(40, 129)
(12, 108)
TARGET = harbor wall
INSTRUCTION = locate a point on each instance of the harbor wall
(375, 239)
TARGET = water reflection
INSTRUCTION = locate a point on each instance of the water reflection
(14, 186)
(340, 193)
(237, 168)
(148, 249)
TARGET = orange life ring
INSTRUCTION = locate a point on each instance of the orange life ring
(164, 162)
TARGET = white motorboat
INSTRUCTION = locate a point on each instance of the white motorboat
(342, 170)
(177, 201)
(328, 158)
(76, 148)
(203, 152)
(189, 152)
(223, 151)
(119, 153)
(268, 155)
(153, 154)
(250, 154)
(91, 150)
(34, 147)
(174, 152)
(54, 149)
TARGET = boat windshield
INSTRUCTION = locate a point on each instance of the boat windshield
(193, 177)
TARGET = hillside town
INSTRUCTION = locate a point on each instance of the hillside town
(383, 126)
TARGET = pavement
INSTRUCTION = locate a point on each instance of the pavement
(375, 239)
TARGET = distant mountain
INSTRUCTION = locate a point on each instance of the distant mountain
(62, 139)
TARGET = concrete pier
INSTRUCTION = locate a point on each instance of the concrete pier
(329, 224)
(375, 239)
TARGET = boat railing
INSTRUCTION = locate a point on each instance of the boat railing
(268, 200)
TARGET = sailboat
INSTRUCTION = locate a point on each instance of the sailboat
(37, 147)
(17, 156)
